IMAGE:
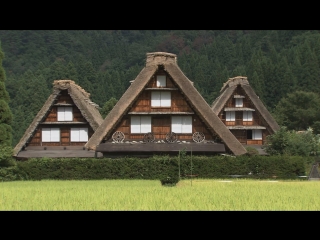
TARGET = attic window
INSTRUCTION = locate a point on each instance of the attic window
(65, 114)
(160, 99)
(239, 102)
(161, 81)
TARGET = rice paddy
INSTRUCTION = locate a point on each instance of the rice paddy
(150, 195)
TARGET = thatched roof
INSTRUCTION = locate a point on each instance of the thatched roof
(228, 89)
(80, 97)
(169, 62)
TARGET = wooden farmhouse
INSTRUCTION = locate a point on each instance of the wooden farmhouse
(63, 125)
(162, 113)
(243, 113)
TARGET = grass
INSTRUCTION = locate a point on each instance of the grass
(150, 195)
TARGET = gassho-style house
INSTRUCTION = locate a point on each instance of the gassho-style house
(244, 114)
(160, 113)
(62, 126)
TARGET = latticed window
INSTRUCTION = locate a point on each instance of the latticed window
(140, 124)
(257, 134)
(181, 124)
(65, 114)
(50, 135)
(79, 134)
(160, 99)
(247, 116)
(230, 116)
(161, 81)
(239, 102)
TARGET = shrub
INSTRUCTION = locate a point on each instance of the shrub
(12, 174)
(169, 181)
(6, 158)
(251, 151)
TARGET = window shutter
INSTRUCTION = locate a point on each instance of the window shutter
(46, 134)
(161, 81)
(155, 99)
(186, 124)
(145, 124)
(60, 113)
(135, 124)
(68, 116)
(83, 134)
(55, 135)
(165, 99)
(74, 132)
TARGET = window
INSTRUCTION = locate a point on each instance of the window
(160, 99)
(65, 114)
(247, 116)
(50, 135)
(140, 124)
(181, 124)
(79, 134)
(161, 81)
(257, 134)
(239, 102)
(230, 116)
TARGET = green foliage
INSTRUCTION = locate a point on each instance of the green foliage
(9, 170)
(4, 95)
(277, 142)
(293, 143)
(107, 107)
(169, 181)
(298, 111)
(12, 174)
(276, 62)
(170, 174)
(6, 158)
(2, 72)
(164, 168)
(5, 135)
(251, 151)
(5, 112)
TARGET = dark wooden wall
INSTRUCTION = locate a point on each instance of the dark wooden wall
(161, 123)
(257, 119)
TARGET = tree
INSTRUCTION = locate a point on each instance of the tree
(107, 107)
(293, 143)
(5, 111)
(299, 111)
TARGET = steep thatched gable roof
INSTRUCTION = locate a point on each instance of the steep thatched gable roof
(169, 62)
(80, 98)
(228, 89)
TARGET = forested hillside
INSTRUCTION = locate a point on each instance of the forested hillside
(103, 62)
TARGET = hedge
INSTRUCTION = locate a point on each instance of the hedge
(158, 167)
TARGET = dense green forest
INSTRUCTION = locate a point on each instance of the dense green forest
(103, 62)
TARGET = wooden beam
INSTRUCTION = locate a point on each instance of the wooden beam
(160, 113)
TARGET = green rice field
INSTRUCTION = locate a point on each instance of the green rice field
(150, 195)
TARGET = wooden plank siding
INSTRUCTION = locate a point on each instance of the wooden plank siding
(64, 99)
(257, 120)
(64, 136)
(160, 123)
